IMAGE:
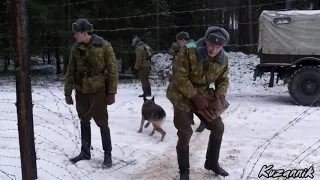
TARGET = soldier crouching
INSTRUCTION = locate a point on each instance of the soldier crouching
(92, 71)
(195, 69)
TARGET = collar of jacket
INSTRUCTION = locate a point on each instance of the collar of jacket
(139, 43)
(96, 40)
(202, 52)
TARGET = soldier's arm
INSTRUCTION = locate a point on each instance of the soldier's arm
(138, 58)
(222, 82)
(70, 75)
(181, 78)
(172, 50)
(112, 69)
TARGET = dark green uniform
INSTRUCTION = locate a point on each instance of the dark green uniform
(143, 64)
(92, 72)
(194, 72)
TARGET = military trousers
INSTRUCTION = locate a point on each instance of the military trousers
(92, 105)
(144, 73)
(183, 121)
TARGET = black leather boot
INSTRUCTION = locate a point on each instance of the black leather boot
(212, 158)
(144, 92)
(85, 144)
(107, 146)
(148, 93)
(183, 161)
(201, 127)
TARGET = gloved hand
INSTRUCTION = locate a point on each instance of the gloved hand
(200, 102)
(69, 100)
(110, 99)
(216, 104)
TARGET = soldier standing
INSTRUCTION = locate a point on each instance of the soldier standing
(183, 40)
(92, 71)
(143, 64)
(189, 92)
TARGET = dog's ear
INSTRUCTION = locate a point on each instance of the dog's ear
(144, 98)
(153, 98)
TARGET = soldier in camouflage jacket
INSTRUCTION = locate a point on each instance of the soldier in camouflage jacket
(174, 49)
(143, 64)
(183, 39)
(197, 66)
(92, 72)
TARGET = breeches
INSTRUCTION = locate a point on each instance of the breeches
(92, 105)
(183, 120)
(144, 76)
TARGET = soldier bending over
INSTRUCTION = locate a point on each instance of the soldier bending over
(195, 69)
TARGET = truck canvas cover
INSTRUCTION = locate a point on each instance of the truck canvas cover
(295, 32)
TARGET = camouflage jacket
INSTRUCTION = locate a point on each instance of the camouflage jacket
(174, 49)
(194, 74)
(189, 44)
(88, 74)
(143, 59)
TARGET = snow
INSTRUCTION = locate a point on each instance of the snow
(258, 118)
(293, 12)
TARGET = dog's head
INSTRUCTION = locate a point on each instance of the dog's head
(148, 101)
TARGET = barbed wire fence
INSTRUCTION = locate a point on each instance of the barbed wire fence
(48, 145)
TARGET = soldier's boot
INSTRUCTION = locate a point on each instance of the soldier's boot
(212, 158)
(107, 147)
(85, 145)
(201, 127)
(183, 162)
(144, 92)
(148, 93)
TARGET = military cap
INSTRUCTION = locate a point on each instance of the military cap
(135, 40)
(82, 25)
(217, 35)
(182, 35)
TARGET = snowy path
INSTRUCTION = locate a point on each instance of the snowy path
(250, 121)
(255, 115)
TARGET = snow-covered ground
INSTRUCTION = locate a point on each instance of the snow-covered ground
(262, 127)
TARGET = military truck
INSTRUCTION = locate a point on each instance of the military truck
(289, 45)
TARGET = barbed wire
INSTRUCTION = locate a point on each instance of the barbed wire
(8, 175)
(44, 144)
(136, 29)
(169, 13)
(69, 4)
(296, 158)
(283, 129)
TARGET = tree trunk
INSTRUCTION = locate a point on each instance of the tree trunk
(49, 56)
(6, 63)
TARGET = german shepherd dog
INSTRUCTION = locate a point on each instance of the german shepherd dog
(154, 114)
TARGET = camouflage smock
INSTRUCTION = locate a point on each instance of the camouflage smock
(142, 58)
(189, 44)
(190, 79)
(100, 59)
(174, 49)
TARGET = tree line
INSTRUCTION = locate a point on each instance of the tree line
(118, 21)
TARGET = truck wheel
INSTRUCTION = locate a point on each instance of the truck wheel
(304, 86)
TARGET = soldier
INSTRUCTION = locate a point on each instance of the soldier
(92, 71)
(183, 38)
(143, 64)
(174, 49)
(189, 92)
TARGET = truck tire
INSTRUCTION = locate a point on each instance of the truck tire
(304, 86)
